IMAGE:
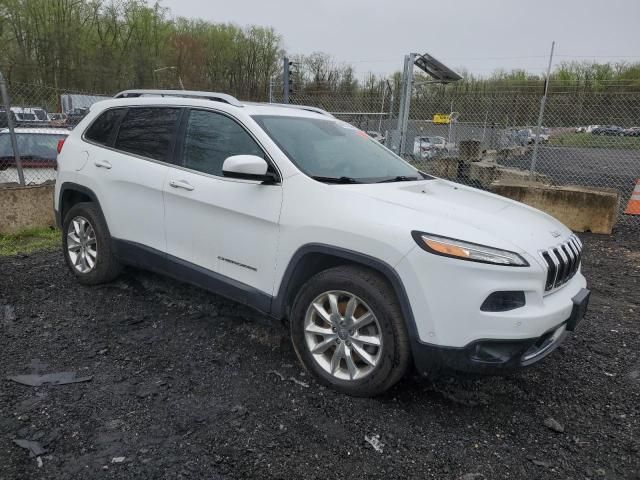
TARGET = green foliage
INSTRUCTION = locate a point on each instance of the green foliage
(28, 241)
(106, 46)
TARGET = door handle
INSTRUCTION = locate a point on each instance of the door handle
(181, 184)
(102, 164)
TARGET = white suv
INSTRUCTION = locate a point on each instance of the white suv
(374, 264)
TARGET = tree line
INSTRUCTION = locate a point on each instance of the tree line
(104, 46)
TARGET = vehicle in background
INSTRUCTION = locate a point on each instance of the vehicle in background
(608, 130)
(591, 128)
(38, 147)
(377, 136)
(631, 132)
(429, 147)
(531, 135)
(57, 119)
(75, 116)
(581, 129)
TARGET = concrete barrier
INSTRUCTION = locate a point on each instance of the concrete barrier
(582, 209)
(26, 207)
(444, 167)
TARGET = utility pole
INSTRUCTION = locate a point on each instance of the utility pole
(12, 133)
(543, 101)
(285, 80)
(405, 100)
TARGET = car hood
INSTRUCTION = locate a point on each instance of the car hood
(453, 210)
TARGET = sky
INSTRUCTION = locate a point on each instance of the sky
(480, 35)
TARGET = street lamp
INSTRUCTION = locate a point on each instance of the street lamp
(169, 68)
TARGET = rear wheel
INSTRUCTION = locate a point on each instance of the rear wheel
(87, 245)
(348, 331)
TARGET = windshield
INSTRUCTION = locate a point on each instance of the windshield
(41, 146)
(332, 149)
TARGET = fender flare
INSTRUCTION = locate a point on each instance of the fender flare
(278, 304)
(66, 186)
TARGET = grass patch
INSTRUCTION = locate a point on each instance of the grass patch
(28, 241)
(587, 140)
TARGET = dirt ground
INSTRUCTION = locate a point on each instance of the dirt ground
(185, 384)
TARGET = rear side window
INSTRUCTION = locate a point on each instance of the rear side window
(104, 127)
(148, 131)
(211, 138)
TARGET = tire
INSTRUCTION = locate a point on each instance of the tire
(99, 267)
(371, 292)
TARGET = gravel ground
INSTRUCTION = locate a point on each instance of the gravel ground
(188, 385)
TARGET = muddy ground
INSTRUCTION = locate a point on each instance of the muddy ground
(186, 384)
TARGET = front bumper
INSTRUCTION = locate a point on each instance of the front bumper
(491, 356)
(446, 297)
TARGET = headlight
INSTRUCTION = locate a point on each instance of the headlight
(450, 247)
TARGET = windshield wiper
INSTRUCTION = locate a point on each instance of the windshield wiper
(335, 179)
(399, 178)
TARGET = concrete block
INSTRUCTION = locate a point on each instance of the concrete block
(482, 173)
(445, 167)
(515, 175)
(26, 207)
(582, 209)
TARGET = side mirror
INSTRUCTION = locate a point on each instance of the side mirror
(248, 167)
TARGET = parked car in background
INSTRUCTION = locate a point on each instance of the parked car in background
(608, 130)
(29, 116)
(428, 147)
(57, 119)
(581, 129)
(591, 128)
(377, 136)
(75, 116)
(38, 147)
(631, 132)
(531, 135)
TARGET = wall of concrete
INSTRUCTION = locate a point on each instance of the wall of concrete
(26, 207)
(582, 209)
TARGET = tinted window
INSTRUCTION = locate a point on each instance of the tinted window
(148, 131)
(211, 138)
(103, 128)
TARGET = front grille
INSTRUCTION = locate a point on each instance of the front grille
(562, 262)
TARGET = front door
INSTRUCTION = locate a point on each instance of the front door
(223, 225)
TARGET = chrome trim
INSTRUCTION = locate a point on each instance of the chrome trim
(567, 258)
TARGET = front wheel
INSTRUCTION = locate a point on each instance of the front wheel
(348, 331)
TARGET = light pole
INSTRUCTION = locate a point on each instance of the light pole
(169, 68)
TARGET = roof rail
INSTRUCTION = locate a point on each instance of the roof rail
(216, 97)
(298, 107)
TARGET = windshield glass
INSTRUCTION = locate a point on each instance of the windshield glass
(334, 149)
(42, 146)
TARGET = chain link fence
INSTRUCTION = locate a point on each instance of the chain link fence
(590, 140)
(41, 117)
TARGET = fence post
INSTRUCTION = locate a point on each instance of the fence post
(12, 133)
(543, 101)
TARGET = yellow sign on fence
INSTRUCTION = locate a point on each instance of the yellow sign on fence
(440, 118)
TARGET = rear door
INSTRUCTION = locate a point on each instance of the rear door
(131, 171)
(223, 225)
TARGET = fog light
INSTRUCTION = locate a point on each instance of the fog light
(503, 302)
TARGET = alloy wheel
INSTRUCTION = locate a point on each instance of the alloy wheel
(82, 246)
(343, 335)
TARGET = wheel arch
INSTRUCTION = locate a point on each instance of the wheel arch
(311, 259)
(70, 194)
